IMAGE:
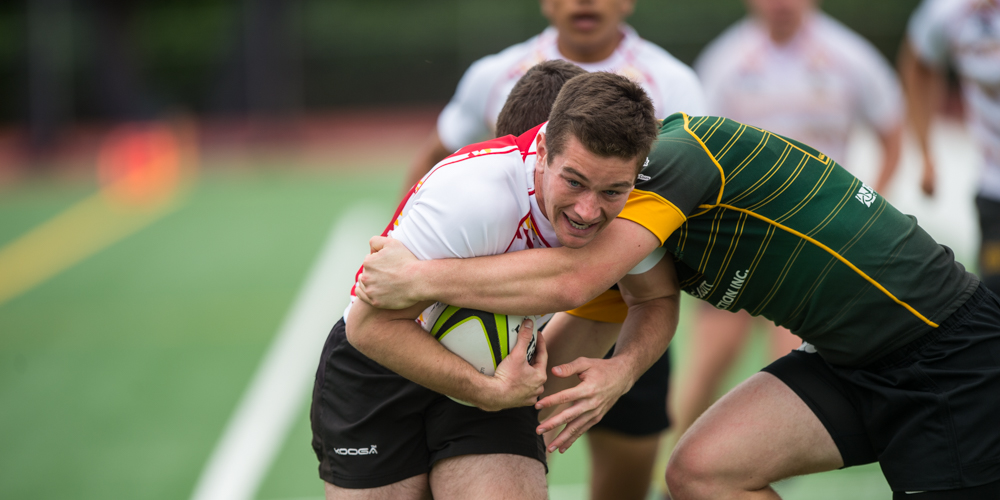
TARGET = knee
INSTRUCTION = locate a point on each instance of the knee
(691, 473)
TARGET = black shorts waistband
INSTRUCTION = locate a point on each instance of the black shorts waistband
(953, 321)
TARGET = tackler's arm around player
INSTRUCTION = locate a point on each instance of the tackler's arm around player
(394, 340)
(653, 298)
(524, 283)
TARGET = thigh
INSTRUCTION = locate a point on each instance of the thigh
(367, 422)
(621, 466)
(758, 433)
(490, 476)
(414, 488)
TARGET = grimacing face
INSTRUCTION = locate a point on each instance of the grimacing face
(587, 26)
(580, 192)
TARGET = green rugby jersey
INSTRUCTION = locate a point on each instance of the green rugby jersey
(760, 222)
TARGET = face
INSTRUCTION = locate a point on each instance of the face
(782, 17)
(579, 192)
(587, 26)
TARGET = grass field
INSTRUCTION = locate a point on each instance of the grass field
(121, 372)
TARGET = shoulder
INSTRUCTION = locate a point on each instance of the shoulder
(468, 205)
(480, 179)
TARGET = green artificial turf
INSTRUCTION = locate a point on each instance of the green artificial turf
(118, 375)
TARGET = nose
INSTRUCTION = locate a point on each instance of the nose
(588, 208)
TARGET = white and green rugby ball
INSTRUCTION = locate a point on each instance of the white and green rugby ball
(482, 338)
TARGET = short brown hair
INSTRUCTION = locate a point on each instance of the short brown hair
(531, 98)
(609, 114)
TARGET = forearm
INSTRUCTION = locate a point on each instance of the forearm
(924, 88)
(536, 281)
(399, 344)
(645, 335)
(891, 145)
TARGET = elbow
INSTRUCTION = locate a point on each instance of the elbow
(357, 335)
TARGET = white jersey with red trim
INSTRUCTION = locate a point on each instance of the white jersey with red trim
(966, 34)
(472, 113)
(479, 201)
(813, 88)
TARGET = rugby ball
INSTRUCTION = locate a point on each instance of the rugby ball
(482, 338)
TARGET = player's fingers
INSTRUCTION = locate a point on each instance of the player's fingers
(578, 365)
(562, 416)
(565, 396)
(377, 242)
(541, 352)
(359, 291)
(524, 335)
(571, 433)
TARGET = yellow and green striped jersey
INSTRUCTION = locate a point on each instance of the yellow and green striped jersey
(760, 222)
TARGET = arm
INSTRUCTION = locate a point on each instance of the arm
(526, 282)
(429, 154)
(924, 88)
(654, 303)
(891, 140)
(395, 341)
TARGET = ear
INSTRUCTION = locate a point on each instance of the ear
(541, 153)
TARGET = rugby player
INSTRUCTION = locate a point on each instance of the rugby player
(376, 432)
(791, 69)
(964, 34)
(592, 34)
(900, 362)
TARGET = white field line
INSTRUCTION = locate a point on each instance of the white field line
(283, 381)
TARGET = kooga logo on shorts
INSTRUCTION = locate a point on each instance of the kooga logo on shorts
(356, 451)
(734, 290)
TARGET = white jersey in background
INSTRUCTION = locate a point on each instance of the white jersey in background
(479, 201)
(966, 34)
(813, 88)
(472, 113)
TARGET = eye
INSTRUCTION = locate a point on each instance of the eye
(611, 193)
(573, 183)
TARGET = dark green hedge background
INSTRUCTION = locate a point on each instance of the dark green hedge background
(194, 55)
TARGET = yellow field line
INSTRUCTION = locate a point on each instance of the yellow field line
(68, 238)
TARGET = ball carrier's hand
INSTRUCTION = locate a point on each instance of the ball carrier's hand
(385, 282)
(518, 381)
(602, 382)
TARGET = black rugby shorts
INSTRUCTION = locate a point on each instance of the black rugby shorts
(929, 412)
(372, 427)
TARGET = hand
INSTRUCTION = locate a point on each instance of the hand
(602, 382)
(927, 179)
(517, 382)
(385, 282)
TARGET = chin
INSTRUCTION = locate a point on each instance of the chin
(573, 241)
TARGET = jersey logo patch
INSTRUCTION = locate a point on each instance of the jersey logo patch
(866, 195)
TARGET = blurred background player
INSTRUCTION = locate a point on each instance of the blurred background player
(791, 69)
(592, 34)
(965, 35)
